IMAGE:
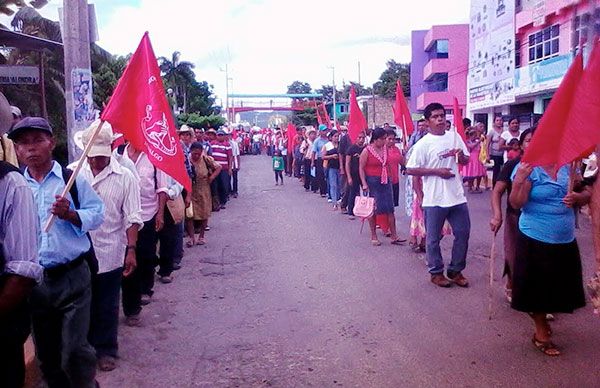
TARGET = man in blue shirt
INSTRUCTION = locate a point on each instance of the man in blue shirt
(317, 160)
(60, 305)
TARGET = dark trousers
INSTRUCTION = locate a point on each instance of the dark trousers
(344, 189)
(308, 179)
(396, 193)
(141, 280)
(278, 175)
(234, 182)
(320, 183)
(498, 163)
(167, 237)
(179, 243)
(104, 313)
(223, 186)
(353, 191)
(14, 331)
(60, 313)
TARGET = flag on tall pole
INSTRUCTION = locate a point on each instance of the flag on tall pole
(291, 134)
(458, 120)
(553, 144)
(356, 120)
(402, 116)
(140, 111)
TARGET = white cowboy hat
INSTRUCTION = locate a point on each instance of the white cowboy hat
(6, 116)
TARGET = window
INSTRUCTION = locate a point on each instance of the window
(439, 49)
(544, 44)
(342, 108)
(518, 6)
(517, 53)
(581, 26)
(438, 83)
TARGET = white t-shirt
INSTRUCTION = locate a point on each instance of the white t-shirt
(431, 152)
(508, 137)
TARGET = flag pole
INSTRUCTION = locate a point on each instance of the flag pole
(71, 180)
(491, 287)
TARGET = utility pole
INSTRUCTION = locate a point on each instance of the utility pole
(78, 73)
(227, 91)
(359, 73)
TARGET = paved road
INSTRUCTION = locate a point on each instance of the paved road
(288, 293)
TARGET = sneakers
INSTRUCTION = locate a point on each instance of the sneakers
(440, 280)
(133, 320)
(458, 279)
(107, 363)
(165, 279)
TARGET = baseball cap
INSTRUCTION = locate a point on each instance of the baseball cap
(322, 127)
(27, 123)
(103, 141)
(221, 132)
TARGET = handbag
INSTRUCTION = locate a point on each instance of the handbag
(364, 206)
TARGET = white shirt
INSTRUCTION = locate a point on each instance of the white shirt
(508, 137)
(152, 182)
(120, 192)
(235, 153)
(431, 152)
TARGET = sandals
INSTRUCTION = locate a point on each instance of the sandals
(546, 347)
(398, 241)
(375, 243)
(201, 241)
(190, 243)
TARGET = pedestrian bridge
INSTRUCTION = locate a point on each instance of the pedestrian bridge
(272, 102)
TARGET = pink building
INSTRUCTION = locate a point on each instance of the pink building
(439, 66)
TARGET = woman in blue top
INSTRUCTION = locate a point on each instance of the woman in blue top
(547, 271)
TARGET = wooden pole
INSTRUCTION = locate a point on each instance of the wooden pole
(491, 287)
(71, 180)
(43, 86)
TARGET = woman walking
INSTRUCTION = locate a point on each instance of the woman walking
(352, 169)
(205, 172)
(331, 154)
(374, 176)
(547, 271)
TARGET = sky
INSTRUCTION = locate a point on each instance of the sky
(268, 44)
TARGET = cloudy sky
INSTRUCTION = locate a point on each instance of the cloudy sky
(270, 43)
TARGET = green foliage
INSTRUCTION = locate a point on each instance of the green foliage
(195, 120)
(386, 86)
(360, 90)
(307, 116)
(298, 87)
(327, 92)
(106, 76)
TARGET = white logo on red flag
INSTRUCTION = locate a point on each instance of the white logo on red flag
(157, 134)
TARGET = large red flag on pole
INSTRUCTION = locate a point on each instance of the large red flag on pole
(551, 144)
(140, 111)
(356, 119)
(291, 134)
(402, 116)
(458, 120)
(319, 119)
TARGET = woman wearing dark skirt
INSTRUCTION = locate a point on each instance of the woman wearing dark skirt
(547, 270)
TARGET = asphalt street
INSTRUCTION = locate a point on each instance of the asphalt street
(289, 293)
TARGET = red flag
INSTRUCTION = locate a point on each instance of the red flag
(319, 119)
(553, 143)
(291, 134)
(402, 117)
(139, 110)
(356, 119)
(458, 123)
(326, 115)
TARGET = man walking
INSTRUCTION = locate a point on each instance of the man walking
(60, 305)
(436, 157)
(114, 242)
(317, 161)
(19, 269)
(235, 155)
(221, 152)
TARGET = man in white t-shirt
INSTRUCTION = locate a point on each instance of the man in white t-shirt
(436, 157)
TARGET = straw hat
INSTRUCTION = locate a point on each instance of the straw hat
(6, 117)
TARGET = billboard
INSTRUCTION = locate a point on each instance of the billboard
(19, 75)
(491, 53)
(542, 76)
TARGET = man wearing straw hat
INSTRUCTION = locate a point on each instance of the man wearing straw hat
(60, 305)
(19, 266)
(114, 242)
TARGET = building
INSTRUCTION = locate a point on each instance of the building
(438, 70)
(534, 42)
(377, 110)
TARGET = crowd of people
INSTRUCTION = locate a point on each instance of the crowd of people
(122, 225)
(542, 268)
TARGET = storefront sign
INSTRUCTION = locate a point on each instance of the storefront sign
(491, 53)
(19, 75)
(541, 76)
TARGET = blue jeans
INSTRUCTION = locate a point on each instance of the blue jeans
(333, 179)
(458, 217)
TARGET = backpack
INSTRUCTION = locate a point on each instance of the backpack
(5, 168)
(90, 255)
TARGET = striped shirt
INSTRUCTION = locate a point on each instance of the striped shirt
(221, 152)
(19, 228)
(120, 192)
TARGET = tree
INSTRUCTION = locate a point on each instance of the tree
(386, 86)
(327, 92)
(195, 120)
(304, 117)
(298, 87)
(178, 75)
(106, 75)
(360, 90)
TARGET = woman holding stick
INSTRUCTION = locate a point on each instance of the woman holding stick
(547, 271)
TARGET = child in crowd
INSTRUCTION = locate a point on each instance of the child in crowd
(515, 149)
(474, 171)
(278, 167)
